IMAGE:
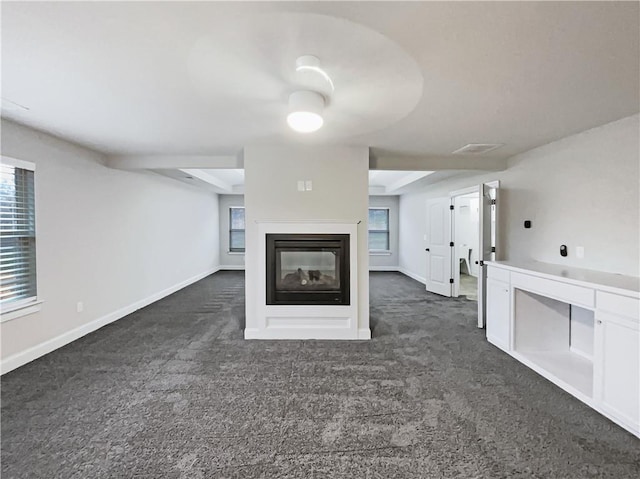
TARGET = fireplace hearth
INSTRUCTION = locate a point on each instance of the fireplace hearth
(303, 281)
(307, 269)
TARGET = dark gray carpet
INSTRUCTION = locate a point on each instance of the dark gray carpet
(172, 391)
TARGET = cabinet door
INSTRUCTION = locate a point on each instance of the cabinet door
(498, 314)
(617, 367)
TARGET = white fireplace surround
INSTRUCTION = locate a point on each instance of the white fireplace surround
(306, 321)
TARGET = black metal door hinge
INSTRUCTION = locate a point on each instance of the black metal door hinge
(493, 202)
(451, 244)
(451, 280)
(493, 249)
(450, 207)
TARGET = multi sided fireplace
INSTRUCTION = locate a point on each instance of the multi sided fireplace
(307, 269)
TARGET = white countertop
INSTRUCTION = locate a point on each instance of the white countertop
(612, 282)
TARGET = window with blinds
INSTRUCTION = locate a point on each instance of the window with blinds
(236, 229)
(378, 229)
(17, 233)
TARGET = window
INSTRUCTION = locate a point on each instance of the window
(236, 229)
(378, 229)
(17, 234)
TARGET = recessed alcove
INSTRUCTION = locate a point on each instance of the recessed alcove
(557, 337)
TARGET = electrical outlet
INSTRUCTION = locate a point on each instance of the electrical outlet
(580, 252)
(79, 307)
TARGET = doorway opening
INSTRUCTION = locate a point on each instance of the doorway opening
(466, 240)
(461, 234)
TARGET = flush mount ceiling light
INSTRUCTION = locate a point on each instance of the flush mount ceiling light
(308, 102)
(305, 111)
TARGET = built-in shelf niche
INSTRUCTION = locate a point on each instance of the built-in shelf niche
(557, 337)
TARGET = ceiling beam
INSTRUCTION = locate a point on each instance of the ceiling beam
(377, 190)
(417, 163)
(207, 178)
(163, 162)
(407, 180)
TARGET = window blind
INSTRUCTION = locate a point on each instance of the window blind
(236, 229)
(378, 229)
(17, 235)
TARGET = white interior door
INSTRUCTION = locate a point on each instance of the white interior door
(488, 242)
(438, 247)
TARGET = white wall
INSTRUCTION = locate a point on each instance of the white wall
(112, 239)
(389, 262)
(340, 192)
(582, 190)
(228, 260)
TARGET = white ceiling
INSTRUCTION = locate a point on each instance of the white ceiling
(411, 78)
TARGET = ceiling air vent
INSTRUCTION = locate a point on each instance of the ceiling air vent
(477, 148)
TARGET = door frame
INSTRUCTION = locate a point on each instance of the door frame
(482, 257)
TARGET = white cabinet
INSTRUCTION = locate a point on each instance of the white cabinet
(617, 367)
(580, 329)
(498, 314)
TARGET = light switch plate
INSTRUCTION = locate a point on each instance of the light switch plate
(308, 185)
(580, 252)
(300, 185)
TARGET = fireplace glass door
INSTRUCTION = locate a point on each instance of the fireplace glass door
(307, 269)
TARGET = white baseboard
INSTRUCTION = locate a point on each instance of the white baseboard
(413, 276)
(251, 333)
(364, 333)
(284, 334)
(384, 268)
(35, 352)
(232, 267)
(308, 333)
